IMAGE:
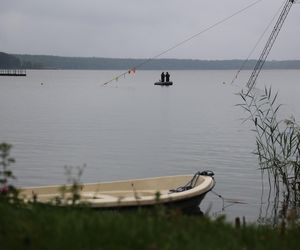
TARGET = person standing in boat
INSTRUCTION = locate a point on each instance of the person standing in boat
(162, 77)
(167, 77)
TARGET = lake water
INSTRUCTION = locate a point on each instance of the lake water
(132, 129)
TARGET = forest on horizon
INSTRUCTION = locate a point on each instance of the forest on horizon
(100, 63)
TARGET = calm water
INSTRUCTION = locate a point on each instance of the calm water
(132, 128)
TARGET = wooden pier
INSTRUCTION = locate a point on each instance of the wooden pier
(12, 72)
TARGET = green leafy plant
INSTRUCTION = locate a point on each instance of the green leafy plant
(70, 193)
(6, 174)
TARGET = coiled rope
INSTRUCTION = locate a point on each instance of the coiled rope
(192, 183)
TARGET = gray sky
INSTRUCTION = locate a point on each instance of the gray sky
(143, 28)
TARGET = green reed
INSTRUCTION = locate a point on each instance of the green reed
(277, 143)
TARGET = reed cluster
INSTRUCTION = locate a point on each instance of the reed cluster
(277, 144)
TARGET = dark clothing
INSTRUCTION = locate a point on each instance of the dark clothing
(162, 77)
(167, 77)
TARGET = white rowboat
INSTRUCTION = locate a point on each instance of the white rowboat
(175, 191)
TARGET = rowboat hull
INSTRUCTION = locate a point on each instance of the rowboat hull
(129, 193)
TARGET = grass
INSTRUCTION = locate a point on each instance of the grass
(46, 227)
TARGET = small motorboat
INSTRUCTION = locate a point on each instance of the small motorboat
(179, 191)
(163, 83)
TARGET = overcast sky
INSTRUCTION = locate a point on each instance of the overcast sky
(143, 28)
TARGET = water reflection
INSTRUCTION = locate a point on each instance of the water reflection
(274, 209)
(279, 210)
(195, 211)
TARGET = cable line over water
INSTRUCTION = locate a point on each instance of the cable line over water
(133, 69)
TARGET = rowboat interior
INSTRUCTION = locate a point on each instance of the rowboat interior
(137, 192)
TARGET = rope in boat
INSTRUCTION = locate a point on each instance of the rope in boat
(133, 69)
(192, 183)
(221, 197)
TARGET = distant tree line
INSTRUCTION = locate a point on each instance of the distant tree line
(8, 61)
(100, 63)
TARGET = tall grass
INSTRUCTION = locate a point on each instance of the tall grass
(277, 144)
(48, 227)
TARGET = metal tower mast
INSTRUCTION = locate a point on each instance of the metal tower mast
(259, 64)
